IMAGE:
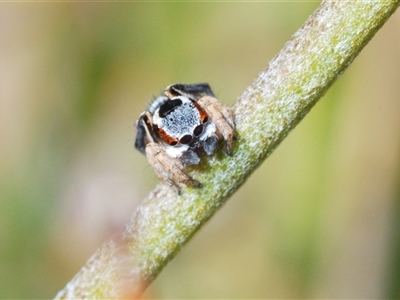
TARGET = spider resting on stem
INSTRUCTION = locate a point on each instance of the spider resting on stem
(179, 127)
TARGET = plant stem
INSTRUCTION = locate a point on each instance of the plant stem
(270, 107)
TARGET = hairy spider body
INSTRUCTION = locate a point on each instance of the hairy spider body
(179, 127)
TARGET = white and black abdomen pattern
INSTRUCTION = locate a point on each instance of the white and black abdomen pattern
(179, 120)
(181, 127)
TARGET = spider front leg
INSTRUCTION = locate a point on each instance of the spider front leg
(222, 116)
(167, 168)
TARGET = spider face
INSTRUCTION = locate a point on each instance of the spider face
(179, 127)
(179, 122)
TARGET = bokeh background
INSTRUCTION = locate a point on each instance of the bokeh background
(319, 218)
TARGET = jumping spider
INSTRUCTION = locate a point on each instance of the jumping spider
(179, 127)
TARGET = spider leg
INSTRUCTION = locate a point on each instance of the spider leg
(222, 116)
(144, 132)
(194, 90)
(198, 88)
(140, 136)
(168, 169)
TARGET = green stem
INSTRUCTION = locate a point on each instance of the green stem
(269, 108)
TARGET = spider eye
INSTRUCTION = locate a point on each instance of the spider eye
(198, 130)
(205, 119)
(186, 139)
(173, 143)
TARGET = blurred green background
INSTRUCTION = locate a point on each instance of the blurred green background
(320, 218)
